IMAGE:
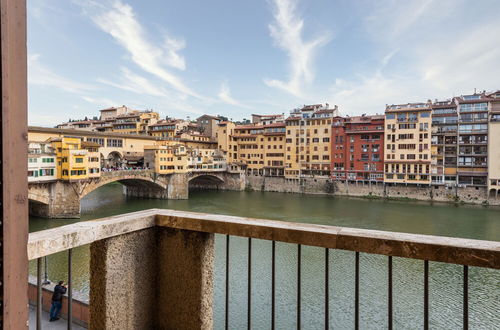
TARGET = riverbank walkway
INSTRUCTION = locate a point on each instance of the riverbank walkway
(61, 324)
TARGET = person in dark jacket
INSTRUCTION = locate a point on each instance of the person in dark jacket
(55, 309)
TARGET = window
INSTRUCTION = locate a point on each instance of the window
(115, 143)
(79, 160)
(390, 116)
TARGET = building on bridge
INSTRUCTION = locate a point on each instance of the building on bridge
(93, 158)
(71, 159)
(41, 162)
(166, 159)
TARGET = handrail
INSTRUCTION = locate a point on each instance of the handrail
(425, 247)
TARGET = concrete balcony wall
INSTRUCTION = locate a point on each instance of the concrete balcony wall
(155, 278)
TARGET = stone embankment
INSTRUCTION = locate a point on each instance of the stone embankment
(458, 195)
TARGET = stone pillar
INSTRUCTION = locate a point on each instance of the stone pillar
(124, 281)
(178, 186)
(186, 262)
(156, 278)
(64, 201)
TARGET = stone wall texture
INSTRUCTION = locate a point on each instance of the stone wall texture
(157, 278)
(186, 262)
(469, 195)
(124, 281)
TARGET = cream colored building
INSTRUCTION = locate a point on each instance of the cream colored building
(408, 143)
(113, 147)
(168, 128)
(308, 145)
(135, 122)
(41, 162)
(494, 146)
(223, 134)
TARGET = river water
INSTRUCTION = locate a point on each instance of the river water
(445, 280)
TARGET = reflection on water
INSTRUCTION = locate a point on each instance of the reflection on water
(439, 219)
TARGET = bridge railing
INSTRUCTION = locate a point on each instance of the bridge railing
(167, 256)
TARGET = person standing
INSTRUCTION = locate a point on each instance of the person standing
(55, 309)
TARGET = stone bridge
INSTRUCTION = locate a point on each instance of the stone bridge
(61, 199)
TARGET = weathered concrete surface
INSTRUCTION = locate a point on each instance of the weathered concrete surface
(50, 241)
(124, 281)
(186, 263)
(425, 247)
(178, 187)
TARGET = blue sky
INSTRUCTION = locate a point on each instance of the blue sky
(234, 58)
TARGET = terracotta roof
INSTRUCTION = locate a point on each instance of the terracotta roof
(78, 132)
(311, 106)
(275, 125)
(164, 122)
(325, 111)
(268, 116)
(87, 144)
(248, 127)
(209, 116)
(364, 119)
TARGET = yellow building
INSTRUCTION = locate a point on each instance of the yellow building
(71, 159)
(274, 149)
(407, 154)
(308, 146)
(247, 147)
(168, 128)
(93, 158)
(135, 122)
(223, 134)
(167, 158)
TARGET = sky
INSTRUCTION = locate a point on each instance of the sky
(234, 58)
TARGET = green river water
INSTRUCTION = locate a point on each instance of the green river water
(445, 281)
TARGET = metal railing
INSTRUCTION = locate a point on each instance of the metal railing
(465, 252)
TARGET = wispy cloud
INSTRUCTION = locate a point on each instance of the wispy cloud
(428, 56)
(100, 101)
(135, 83)
(287, 30)
(39, 74)
(119, 20)
(225, 96)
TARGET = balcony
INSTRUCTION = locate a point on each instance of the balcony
(155, 268)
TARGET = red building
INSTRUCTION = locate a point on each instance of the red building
(358, 148)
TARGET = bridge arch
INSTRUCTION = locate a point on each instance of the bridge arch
(114, 159)
(135, 181)
(202, 181)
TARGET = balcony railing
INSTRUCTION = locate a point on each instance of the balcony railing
(172, 256)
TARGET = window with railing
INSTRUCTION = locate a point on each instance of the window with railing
(471, 107)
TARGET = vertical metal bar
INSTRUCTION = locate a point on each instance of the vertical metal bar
(327, 288)
(426, 294)
(249, 304)
(70, 289)
(226, 322)
(273, 286)
(389, 294)
(466, 297)
(299, 261)
(39, 293)
(356, 293)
